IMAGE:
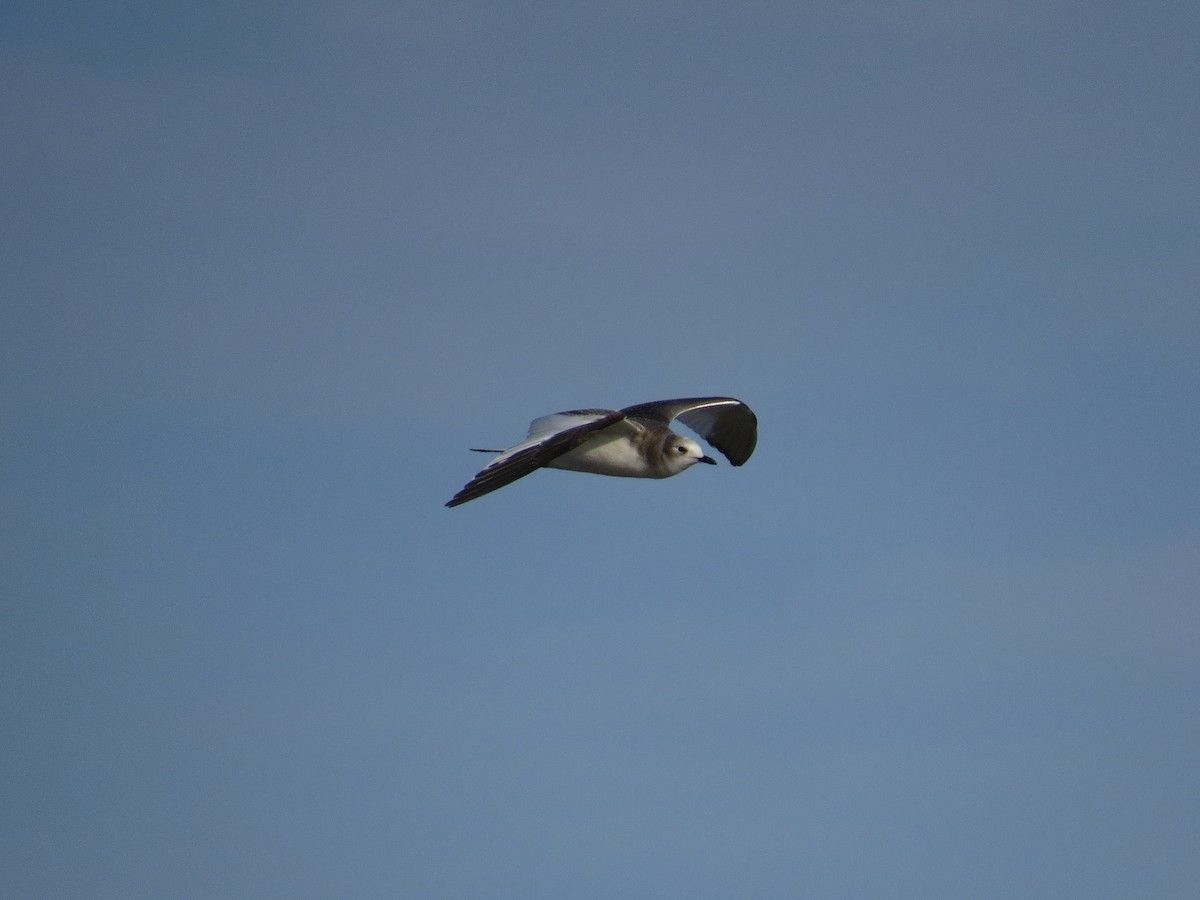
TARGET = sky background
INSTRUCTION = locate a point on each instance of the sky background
(268, 270)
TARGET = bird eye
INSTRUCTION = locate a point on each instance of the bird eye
(681, 449)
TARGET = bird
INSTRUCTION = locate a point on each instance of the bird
(634, 442)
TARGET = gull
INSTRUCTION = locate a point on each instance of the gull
(634, 442)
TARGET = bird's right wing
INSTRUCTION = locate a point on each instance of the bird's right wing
(549, 438)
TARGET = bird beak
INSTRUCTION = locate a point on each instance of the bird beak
(707, 459)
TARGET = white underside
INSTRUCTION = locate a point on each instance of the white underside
(607, 454)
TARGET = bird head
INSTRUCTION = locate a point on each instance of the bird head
(680, 453)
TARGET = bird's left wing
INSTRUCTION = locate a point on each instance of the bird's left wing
(549, 438)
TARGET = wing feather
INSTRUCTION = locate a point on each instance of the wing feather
(531, 455)
(554, 423)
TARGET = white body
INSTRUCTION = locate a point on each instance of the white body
(617, 451)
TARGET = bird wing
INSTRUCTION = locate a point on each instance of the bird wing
(728, 424)
(549, 437)
(548, 426)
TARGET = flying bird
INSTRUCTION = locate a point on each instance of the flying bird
(634, 442)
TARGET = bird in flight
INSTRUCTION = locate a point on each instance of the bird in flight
(634, 442)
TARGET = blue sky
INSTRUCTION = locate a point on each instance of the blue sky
(268, 271)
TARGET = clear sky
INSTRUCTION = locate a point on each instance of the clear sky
(268, 270)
